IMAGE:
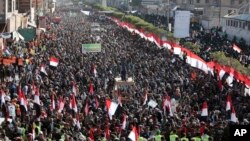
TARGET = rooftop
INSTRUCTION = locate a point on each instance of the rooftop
(243, 17)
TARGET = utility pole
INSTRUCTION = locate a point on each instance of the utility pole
(248, 6)
(37, 24)
(168, 18)
(219, 11)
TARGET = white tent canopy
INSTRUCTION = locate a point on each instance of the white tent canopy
(85, 12)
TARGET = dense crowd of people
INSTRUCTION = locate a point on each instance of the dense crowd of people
(209, 40)
(88, 80)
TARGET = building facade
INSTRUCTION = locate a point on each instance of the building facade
(151, 2)
(237, 26)
(210, 12)
(24, 6)
(10, 20)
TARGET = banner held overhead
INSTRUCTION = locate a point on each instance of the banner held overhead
(91, 48)
(181, 24)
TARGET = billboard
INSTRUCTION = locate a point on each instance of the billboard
(181, 24)
(91, 48)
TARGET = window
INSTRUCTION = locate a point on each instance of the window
(191, 1)
(235, 23)
(13, 5)
(240, 1)
(232, 1)
(207, 1)
(9, 5)
(197, 1)
(240, 24)
(249, 26)
(216, 2)
(17, 4)
(243, 24)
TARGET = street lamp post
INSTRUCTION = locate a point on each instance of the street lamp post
(219, 11)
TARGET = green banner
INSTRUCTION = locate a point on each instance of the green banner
(91, 48)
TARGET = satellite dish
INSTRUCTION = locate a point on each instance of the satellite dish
(6, 35)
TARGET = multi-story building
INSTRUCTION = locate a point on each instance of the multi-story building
(24, 6)
(210, 12)
(237, 26)
(10, 20)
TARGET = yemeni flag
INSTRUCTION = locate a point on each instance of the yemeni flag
(133, 135)
(236, 48)
(93, 70)
(233, 115)
(91, 88)
(107, 133)
(2, 95)
(37, 97)
(53, 61)
(77, 121)
(120, 100)
(42, 69)
(72, 104)
(97, 104)
(53, 105)
(86, 109)
(61, 104)
(229, 103)
(91, 134)
(167, 106)
(111, 107)
(145, 98)
(220, 85)
(22, 99)
(204, 111)
(37, 104)
(74, 87)
(124, 121)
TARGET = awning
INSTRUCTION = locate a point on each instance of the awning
(20, 36)
(31, 24)
(6, 35)
(27, 33)
(85, 12)
(17, 35)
